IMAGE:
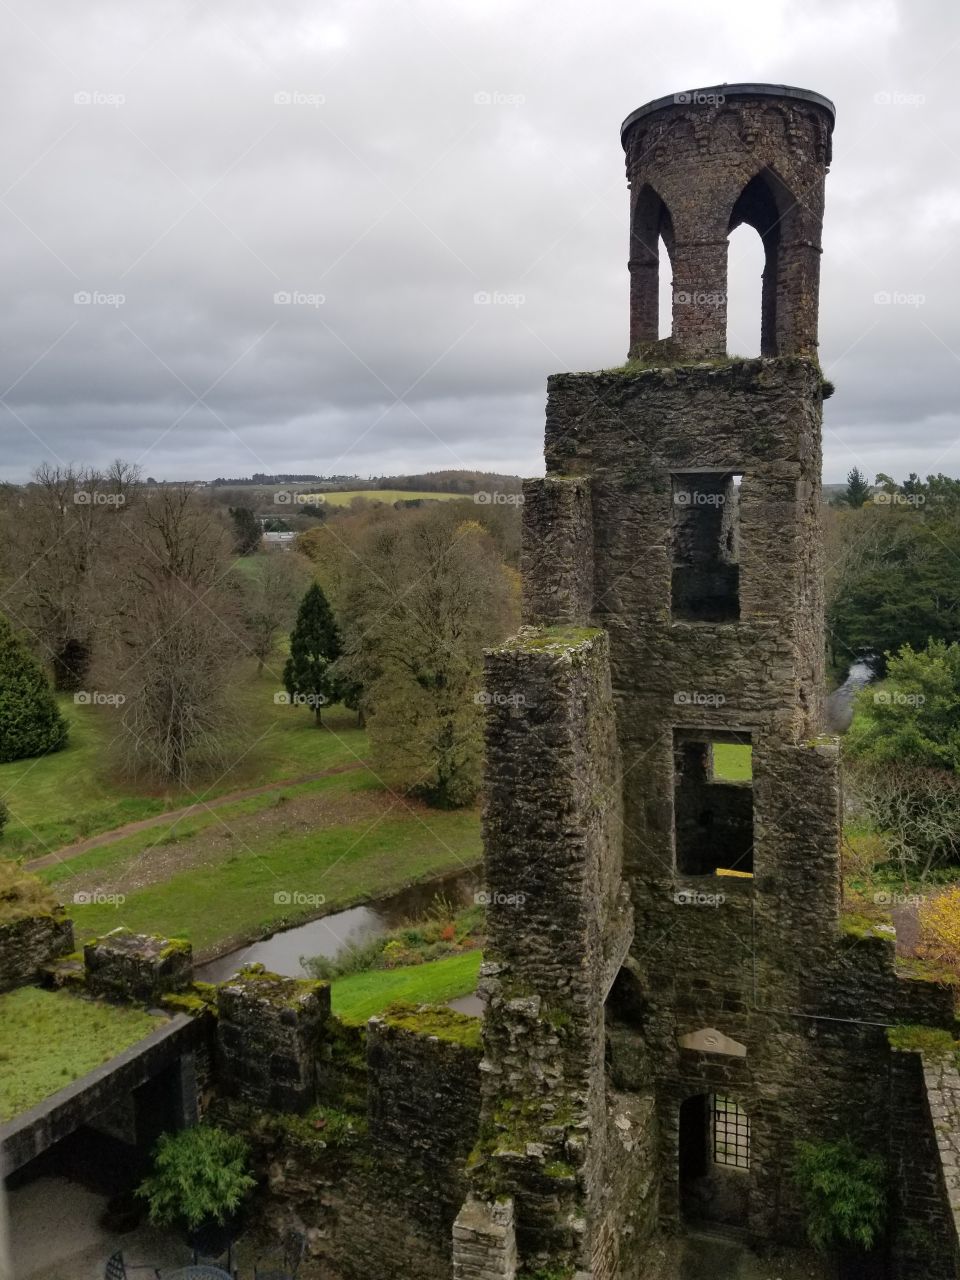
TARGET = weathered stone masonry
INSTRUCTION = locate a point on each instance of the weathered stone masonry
(673, 579)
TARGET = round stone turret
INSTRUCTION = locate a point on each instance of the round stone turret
(699, 164)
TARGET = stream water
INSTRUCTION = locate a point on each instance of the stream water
(281, 952)
(839, 706)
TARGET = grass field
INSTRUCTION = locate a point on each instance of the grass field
(48, 1039)
(732, 762)
(238, 872)
(74, 793)
(335, 499)
(360, 995)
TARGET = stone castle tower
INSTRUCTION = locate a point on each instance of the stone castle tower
(671, 999)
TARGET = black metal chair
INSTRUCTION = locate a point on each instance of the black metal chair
(217, 1261)
(286, 1263)
(117, 1269)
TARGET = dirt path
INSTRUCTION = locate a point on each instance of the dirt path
(173, 816)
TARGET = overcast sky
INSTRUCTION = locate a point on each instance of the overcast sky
(181, 164)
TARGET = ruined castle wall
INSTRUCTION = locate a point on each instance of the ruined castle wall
(924, 1108)
(28, 944)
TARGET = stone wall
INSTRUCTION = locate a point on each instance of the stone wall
(269, 1032)
(558, 925)
(925, 1150)
(379, 1195)
(134, 966)
(26, 945)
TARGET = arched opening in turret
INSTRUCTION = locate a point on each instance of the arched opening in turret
(651, 272)
(745, 267)
(764, 204)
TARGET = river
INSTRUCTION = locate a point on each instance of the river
(839, 704)
(281, 952)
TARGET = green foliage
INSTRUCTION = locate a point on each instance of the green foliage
(935, 1042)
(4, 816)
(442, 932)
(858, 488)
(894, 574)
(844, 1193)
(314, 647)
(30, 721)
(914, 714)
(247, 534)
(22, 894)
(199, 1176)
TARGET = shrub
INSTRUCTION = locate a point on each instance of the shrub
(844, 1193)
(22, 894)
(199, 1176)
(940, 926)
(30, 720)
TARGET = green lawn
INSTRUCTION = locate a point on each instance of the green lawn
(71, 794)
(732, 762)
(360, 995)
(235, 898)
(48, 1039)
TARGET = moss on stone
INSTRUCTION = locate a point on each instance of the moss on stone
(556, 637)
(934, 1042)
(282, 992)
(435, 1020)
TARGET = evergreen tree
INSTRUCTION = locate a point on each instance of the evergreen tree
(247, 534)
(314, 647)
(30, 720)
(858, 488)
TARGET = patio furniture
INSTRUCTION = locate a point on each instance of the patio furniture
(117, 1269)
(287, 1264)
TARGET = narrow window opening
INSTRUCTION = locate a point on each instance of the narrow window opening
(713, 803)
(705, 580)
(665, 286)
(746, 263)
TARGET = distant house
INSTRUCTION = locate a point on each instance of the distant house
(279, 541)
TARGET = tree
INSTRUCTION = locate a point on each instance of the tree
(30, 720)
(270, 594)
(59, 541)
(913, 716)
(428, 594)
(247, 534)
(174, 641)
(858, 488)
(893, 577)
(314, 647)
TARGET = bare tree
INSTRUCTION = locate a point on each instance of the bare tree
(175, 640)
(270, 596)
(61, 534)
(914, 811)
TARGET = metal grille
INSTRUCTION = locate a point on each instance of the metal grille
(731, 1133)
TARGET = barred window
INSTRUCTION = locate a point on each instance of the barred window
(731, 1133)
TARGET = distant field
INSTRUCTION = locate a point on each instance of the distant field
(338, 499)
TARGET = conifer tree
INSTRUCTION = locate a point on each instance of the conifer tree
(314, 647)
(30, 720)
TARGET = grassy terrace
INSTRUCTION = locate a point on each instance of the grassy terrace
(360, 995)
(48, 1039)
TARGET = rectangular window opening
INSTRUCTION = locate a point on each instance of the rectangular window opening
(705, 578)
(713, 802)
(731, 1133)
